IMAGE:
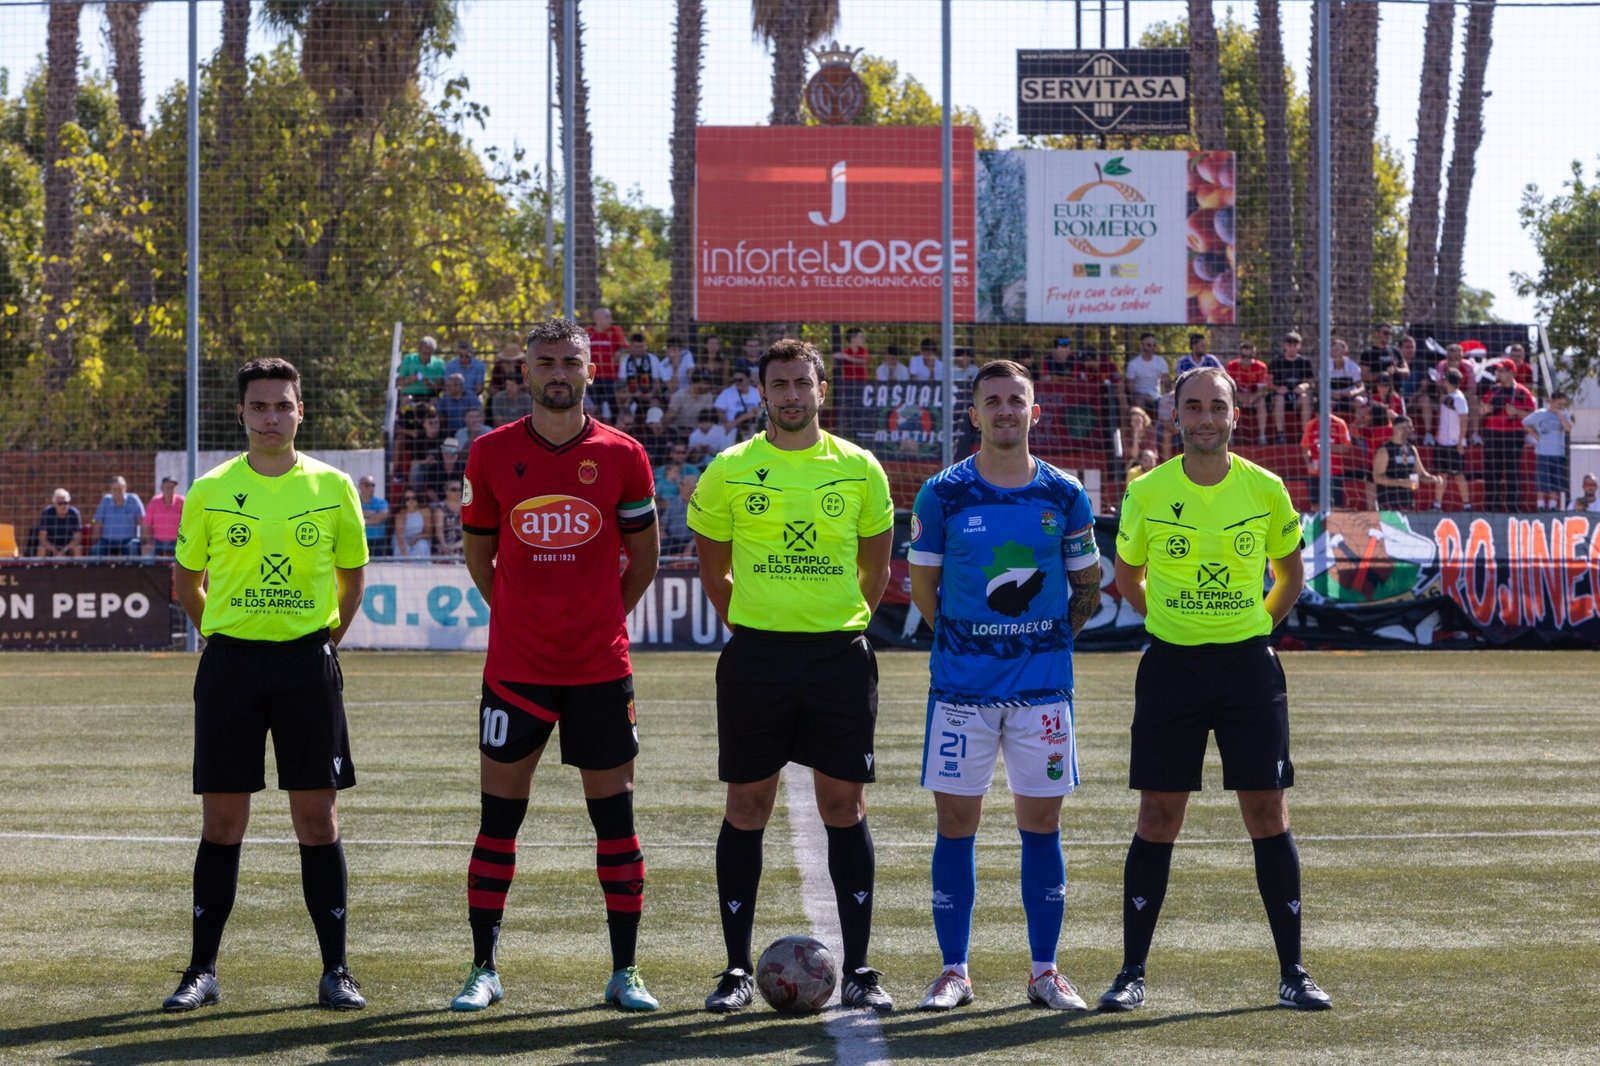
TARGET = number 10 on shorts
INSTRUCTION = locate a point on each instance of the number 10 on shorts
(496, 723)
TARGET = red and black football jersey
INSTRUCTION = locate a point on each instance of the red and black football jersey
(560, 511)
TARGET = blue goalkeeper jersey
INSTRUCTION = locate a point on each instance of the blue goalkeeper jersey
(1003, 636)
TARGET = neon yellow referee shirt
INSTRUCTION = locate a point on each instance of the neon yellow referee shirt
(794, 518)
(271, 545)
(1205, 549)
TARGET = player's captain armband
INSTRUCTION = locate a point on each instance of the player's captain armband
(1079, 549)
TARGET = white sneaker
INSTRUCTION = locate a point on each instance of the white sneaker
(1052, 989)
(949, 991)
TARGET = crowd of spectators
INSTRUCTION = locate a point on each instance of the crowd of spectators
(122, 524)
(1402, 431)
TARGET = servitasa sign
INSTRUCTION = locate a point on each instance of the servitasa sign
(801, 222)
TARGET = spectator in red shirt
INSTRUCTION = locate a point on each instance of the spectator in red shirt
(1253, 384)
(1384, 393)
(1517, 356)
(1338, 460)
(1505, 404)
(850, 363)
(606, 339)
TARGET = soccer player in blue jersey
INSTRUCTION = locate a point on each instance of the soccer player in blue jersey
(1004, 566)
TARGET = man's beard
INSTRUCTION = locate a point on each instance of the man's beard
(573, 398)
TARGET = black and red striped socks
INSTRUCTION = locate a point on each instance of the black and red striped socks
(619, 865)
(489, 873)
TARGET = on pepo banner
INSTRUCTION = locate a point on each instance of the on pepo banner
(51, 605)
(828, 223)
(1106, 236)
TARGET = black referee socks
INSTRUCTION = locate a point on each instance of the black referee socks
(216, 880)
(852, 865)
(1278, 878)
(324, 881)
(1144, 887)
(738, 877)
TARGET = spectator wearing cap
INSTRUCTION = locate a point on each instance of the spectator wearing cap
(1505, 405)
(375, 515)
(59, 527)
(508, 363)
(117, 520)
(454, 403)
(161, 519)
(510, 404)
(430, 475)
(739, 404)
(473, 426)
(421, 373)
(470, 368)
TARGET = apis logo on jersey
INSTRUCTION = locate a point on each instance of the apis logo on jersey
(554, 522)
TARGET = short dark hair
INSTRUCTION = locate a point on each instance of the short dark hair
(928, 344)
(893, 349)
(636, 336)
(1022, 352)
(1453, 376)
(1147, 335)
(1001, 368)
(1194, 372)
(559, 331)
(1293, 337)
(270, 368)
(1196, 338)
(786, 348)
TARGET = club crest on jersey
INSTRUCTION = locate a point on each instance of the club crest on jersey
(1049, 523)
(588, 471)
(553, 522)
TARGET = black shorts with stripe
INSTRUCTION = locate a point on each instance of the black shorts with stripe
(1184, 692)
(810, 698)
(294, 690)
(598, 726)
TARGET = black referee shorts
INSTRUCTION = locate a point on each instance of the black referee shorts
(1236, 691)
(245, 689)
(809, 698)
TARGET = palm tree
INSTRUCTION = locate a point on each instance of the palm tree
(1205, 73)
(1433, 109)
(1355, 129)
(231, 67)
(1464, 159)
(1280, 179)
(789, 26)
(360, 56)
(690, 49)
(123, 30)
(583, 243)
(60, 188)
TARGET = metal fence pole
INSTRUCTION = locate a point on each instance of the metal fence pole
(569, 49)
(947, 445)
(192, 311)
(1324, 259)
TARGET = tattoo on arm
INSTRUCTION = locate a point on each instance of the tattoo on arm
(1085, 596)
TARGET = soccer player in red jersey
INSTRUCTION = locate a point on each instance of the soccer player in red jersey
(550, 502)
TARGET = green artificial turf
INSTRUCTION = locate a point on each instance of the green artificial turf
(1445, 812)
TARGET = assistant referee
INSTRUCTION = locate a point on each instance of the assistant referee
(1195, 536)
(281, 537)
(794, 528)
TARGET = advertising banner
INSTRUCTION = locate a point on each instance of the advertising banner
(1131, 90)
(1109, 236)
(436, 606)
(86, 607)
(797, 222)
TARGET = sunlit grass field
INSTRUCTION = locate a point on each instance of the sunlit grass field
(1446, 814)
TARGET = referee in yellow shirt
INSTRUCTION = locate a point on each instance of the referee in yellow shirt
(281, 537)
(794, 528)
(1194, 538)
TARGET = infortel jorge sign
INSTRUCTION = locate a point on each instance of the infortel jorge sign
(805, 222)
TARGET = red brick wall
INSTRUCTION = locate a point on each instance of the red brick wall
(28, 478)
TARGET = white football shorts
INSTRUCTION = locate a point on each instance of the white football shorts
(961, 743)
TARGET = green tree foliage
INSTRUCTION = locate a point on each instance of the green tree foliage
(896, 99)
(428, 231)
(1566, 290)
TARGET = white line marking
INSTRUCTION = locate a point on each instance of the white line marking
(690, 845)
(857, 1036)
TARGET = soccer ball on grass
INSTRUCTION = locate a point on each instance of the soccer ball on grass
(796, 974)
